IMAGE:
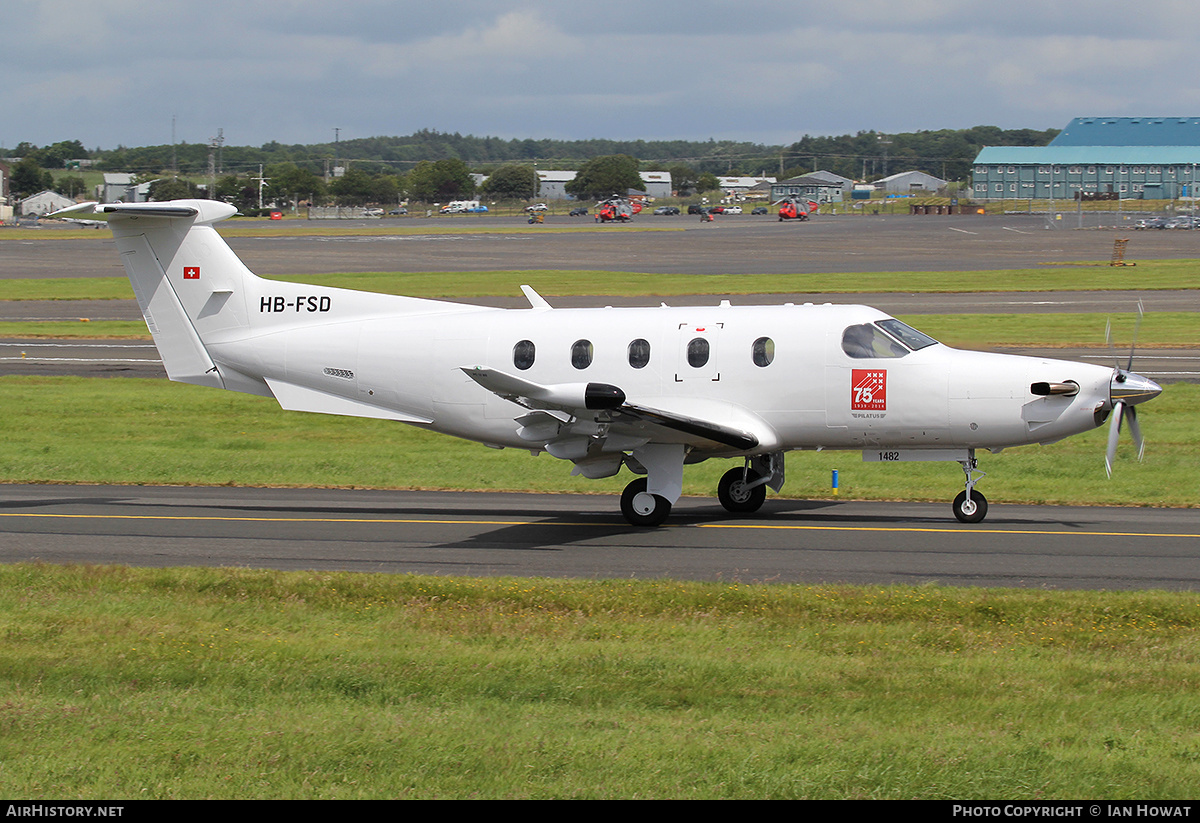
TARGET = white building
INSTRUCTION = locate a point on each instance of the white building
(45, 202)
(740, 187)
(119, 187)
(909, 181)
(552, 184)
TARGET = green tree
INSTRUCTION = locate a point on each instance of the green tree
(513, 181)
(71, 185)
(291, 183)
(448, 179)
(172, 188)
(606, 176)
(386, 189)
(683, 179)
(707, 182)
(28, 178)
(354, 188)
(237, 192)
(57, 155)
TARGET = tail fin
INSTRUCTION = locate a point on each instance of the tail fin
(183, 275)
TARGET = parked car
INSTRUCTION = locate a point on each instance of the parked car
(732, 210)
(666, 210)
(714, 210)
(400, 210)
(760, 210)
(696, 208)
(578, 211)
(477, 210)
(537, 207)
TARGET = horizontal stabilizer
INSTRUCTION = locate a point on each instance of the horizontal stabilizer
(202, 211)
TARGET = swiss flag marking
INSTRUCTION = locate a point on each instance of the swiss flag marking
(868, 389)
(191, 272)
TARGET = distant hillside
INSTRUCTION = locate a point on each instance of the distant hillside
(866, 155)
(400, 154)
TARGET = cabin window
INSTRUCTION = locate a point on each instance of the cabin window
(697, 353)
(639, 353)
(581, 354)
(763, 351)
(523, 354)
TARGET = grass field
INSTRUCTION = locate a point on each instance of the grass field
(1150, 275)
(220, 683)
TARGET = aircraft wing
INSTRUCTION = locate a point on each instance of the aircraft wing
(714, 422)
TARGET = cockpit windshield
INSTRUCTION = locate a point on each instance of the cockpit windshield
(884, 339)
(906, 334)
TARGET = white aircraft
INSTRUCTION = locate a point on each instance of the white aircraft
(651, 389)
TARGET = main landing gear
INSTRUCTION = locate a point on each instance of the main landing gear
(641, 508)
(741, 491)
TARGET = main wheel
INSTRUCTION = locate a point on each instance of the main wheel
(734, 495)
(642, 508)
(970, 511)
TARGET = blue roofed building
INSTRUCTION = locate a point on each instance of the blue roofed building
(1152, 158)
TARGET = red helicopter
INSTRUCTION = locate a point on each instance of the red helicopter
(617, 208)
(796, 208)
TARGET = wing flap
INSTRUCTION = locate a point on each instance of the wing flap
(717, 432)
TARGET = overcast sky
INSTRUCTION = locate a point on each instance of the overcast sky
(115, 72)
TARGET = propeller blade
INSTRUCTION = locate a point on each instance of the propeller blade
(1135, 429)
(1137, 326)
(1114, 432)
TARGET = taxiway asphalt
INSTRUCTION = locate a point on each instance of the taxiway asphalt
(584, 536)
(735, 244)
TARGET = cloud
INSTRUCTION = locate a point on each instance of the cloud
(294, 70)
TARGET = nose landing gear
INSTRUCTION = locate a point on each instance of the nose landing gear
(970, 506)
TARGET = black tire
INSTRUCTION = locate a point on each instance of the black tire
(734, 495)
(655, 517)
(973, 513)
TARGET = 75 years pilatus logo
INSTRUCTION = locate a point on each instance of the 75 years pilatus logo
(868, 390)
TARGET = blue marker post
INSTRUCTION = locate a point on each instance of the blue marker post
(835, 483)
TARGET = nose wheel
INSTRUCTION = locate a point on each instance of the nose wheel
(970, 506)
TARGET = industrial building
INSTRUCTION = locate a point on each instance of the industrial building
(909, 182)
(1152, 158)
(820, 189)
(552, 184)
